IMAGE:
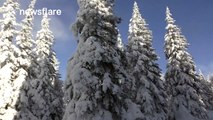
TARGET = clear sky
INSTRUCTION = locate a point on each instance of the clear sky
(194, 17)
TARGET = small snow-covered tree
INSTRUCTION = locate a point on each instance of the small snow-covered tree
(95, 76)
(150, 92)
(8, 65)
(183, 88)
(119, 43)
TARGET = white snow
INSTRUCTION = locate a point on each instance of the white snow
(183, 114)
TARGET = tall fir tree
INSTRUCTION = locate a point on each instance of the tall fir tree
(183, 88)
(96, 78)
(24, 43)
(8, 65)
(45, 55)
(149, 91)
(47, 76)
(39, 99)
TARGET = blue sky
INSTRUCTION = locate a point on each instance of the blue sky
(194, 17)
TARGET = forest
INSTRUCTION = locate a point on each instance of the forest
(105, 79)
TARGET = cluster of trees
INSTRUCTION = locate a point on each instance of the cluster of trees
(105, 79)
(109, 81)
(30, 88)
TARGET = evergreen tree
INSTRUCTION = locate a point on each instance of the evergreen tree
(39, 99)
(46, 57)
(48, 74)
(149, 92)
(24, 42)
(119, 43)
(8, 65)
(183, 88)
(95, 74)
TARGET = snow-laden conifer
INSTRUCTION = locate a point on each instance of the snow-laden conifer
(95, 74)
(45, 55)
(8, 65)
(39, 99)
(149, 91)
(24, 43)
(49, 69)
(183, 88)
(119, 43)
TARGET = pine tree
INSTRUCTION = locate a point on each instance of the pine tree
(46, 57)
(48, 73)
(183, 88)
(24, 43)
(39, 99)
(96, 78)
(119, 43)
(149, 92)
(8, 65)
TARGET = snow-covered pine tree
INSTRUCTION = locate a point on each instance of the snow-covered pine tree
(132, 110)
(150, 92)
(24, 42)
(183, 88)
(7, 60)
(119, 43)
(95, 75)
(39, 98)
(49, 70)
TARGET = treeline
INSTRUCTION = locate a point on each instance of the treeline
(30, 88)
(109, 81)
(106, 80)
